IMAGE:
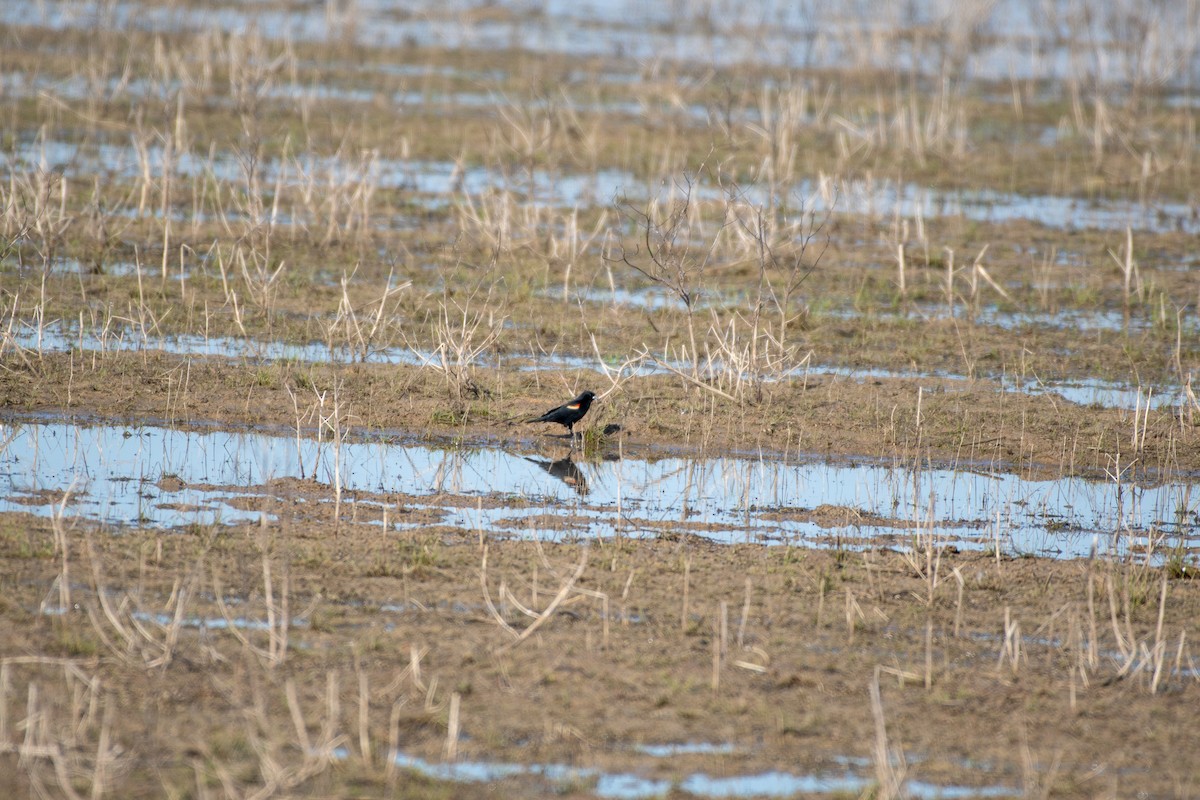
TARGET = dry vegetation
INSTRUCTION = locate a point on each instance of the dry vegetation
(893, 255)
(435, 644)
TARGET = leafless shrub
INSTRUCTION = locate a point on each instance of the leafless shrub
(738, 350)
(464, 328)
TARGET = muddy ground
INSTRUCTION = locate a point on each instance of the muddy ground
(951, 421)
(386, 231)
(1027, 676)
(1038, 676)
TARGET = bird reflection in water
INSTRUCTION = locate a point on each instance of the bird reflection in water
(565, 470)
(568, 471)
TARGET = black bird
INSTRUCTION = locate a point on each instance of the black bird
(570, 413)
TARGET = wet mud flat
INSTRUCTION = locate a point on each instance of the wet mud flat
(141, 473)
(417, 619)
(891, 415)
(583, 667)
(892, 488)
(338, 577)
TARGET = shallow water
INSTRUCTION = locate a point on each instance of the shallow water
(1009, 40)
(1089, 320)
(163, 477)
(438, 183)
(886, 199)
(633, 786)
(58, 337)
(1081, 391)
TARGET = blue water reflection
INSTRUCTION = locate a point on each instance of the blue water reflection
(160, 476)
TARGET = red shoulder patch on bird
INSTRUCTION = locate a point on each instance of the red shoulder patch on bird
(573, 406)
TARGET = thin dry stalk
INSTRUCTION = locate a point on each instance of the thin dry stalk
(928, 654)
(948, 285)
(1159, 651)
(360, 335)
(364, 709)
(278, 764)
(618, 375)
(684, 613)
(1129, 269)
(854, 614)
(604, 606)
(136, 643)
(452, 728)
(715, 682)
(1011, 649)
(66, 745)
(978, 273)
(337, 424)
(554, 604)
(958, 602)
(63, 548)
(692, 379)
(741, 635)
(277, 604)
(540, 618)
(394, 739)
(888, 761)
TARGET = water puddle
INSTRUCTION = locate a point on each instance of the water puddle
(885, 199)
(1091, 320)
(1078, 320)
(164, 620)
(439, 183)
(163, 477)
(649, 298)
(685, 749)
(1080, 391)
(1018, 45)
(1105, 394)
(77, 88)
(631, 786)
(58, 337)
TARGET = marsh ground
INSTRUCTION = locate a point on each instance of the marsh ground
(945, 245)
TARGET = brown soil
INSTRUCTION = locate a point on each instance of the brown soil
(386, 629)
(1088, 694)
(298, 656)
(966, 422)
